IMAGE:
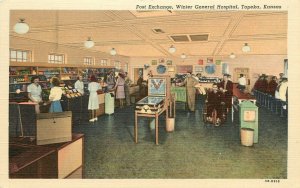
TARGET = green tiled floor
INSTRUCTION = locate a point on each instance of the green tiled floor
(192, 151)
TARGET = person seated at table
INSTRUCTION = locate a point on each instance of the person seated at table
(226, 87)
(261, 84)
(272, 85)
(214, 101)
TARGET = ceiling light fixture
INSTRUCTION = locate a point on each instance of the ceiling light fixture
(89, 43)
(232, 56)
(183, 56)
(21, 27)
(113, 51)
(172, 49)
(246, 48)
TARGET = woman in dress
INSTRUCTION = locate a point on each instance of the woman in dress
(119, 87)
(93, 105)
(55, 96)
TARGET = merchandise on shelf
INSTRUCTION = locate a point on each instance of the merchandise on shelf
(209, 80)
(70, 92)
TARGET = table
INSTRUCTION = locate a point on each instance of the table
(239, 97)
(151, 107)
(180, 93)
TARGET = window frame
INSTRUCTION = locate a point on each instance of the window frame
(88, 60)
(56, 58)
(20, 59)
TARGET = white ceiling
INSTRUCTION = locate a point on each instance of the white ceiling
(130, 33)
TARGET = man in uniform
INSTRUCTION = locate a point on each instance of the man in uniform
(190, 83)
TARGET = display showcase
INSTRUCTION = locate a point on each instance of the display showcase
(155, 104)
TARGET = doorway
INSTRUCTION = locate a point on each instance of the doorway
(136, 73)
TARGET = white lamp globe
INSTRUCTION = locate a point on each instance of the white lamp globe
(21, 27)
(183, 56)
(232, 56)
(113, 51)
(172, 49)
(246, 48)
(89, 43)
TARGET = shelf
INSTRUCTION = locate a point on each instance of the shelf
(24, 75)
(67, 73)
(21, 83)
(68, 79)
(20, 92)
(49, 73)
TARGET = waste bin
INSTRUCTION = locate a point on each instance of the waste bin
(109, 103)
(247, 136)
(170, 124)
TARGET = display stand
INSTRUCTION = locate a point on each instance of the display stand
(157, 102)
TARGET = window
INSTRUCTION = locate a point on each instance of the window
(20, 55)
(285, 67)
(118, 65)
(225, 68)
(126, 67)
(103, 62)
(56, 58)
(88, 61)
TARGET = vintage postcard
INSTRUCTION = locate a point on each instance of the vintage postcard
(226, 115)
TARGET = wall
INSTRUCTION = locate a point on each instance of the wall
(40, 51)
(257, 64)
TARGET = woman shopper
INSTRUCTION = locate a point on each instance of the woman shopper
(93, 105)
(55, 96)
(119, 87)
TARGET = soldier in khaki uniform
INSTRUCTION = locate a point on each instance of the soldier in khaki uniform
(190, 83)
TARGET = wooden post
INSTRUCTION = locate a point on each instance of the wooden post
(135, 128)
(156, 128)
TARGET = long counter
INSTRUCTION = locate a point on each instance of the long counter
(27, 160)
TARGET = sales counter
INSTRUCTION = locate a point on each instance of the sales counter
(101, 100)
(180, 93)
(134, 89)
(61, 160)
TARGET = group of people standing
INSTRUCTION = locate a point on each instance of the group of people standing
(35, 94)
(119, 85)
(225, 87)
(278, 88)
